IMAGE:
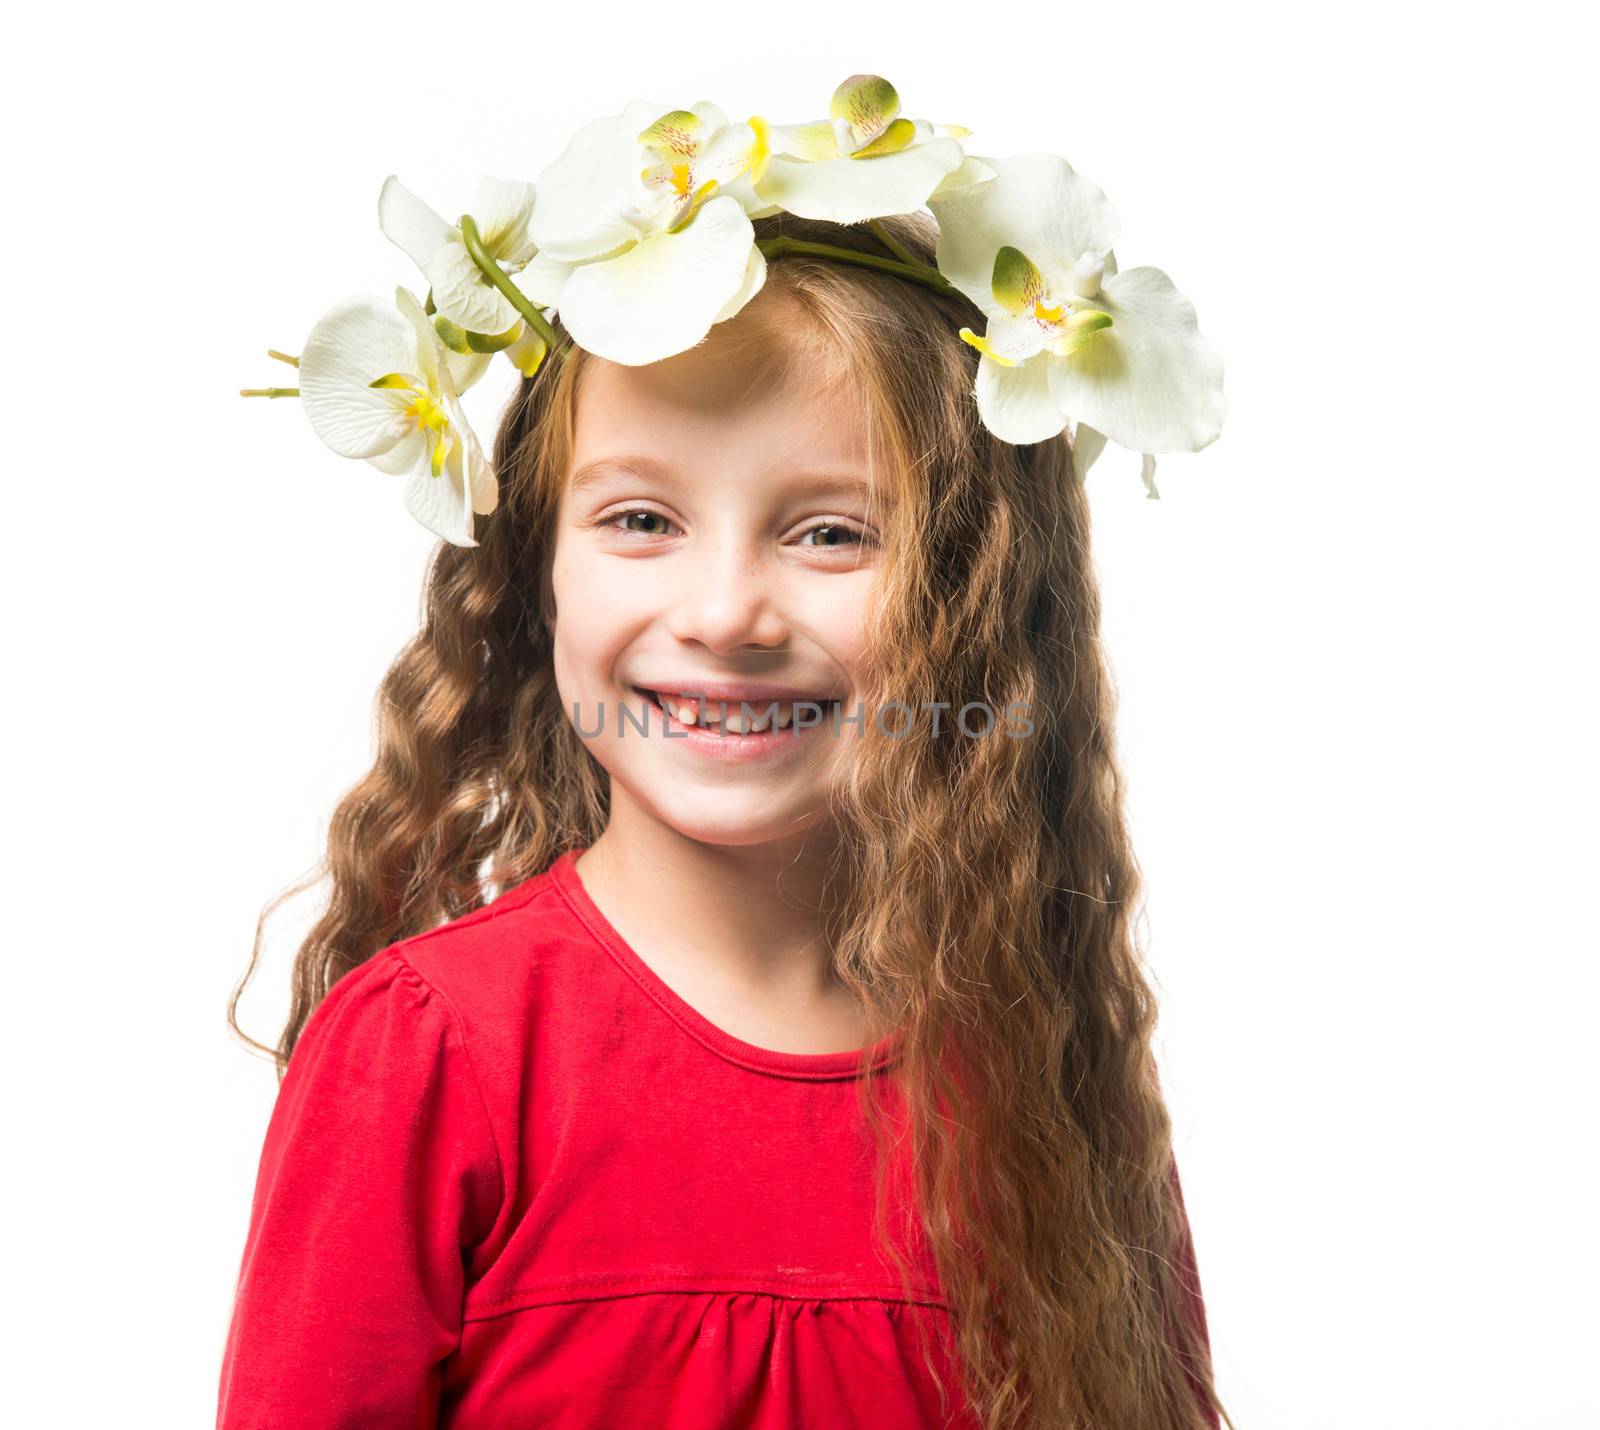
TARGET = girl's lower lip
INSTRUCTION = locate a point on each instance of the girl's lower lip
(763, 744)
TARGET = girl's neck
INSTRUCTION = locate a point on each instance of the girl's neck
(736, 930)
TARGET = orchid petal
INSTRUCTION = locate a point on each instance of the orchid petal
(466, 368)
(482, 487)
(742, 185)
(451, 335)
(762, 151)
(490, 342)
(672, 141)
(528, 352)
(1037, 203)
(677, 134)
(442, 505)
(811, 142)
(900, 134)
(663, 294)
(969, 171)
(543, 279)
(409, 454)
(755, 275)
(1079, 330)
(464, 295)
(743, 189)
(868, 104)
(1016, 403)
(443, 494)
(711, 114)
(428, 345)
(1017, 284)
(638, 115)
(410, 224)
(1016, 338)
(1150, 382)
(727, 154)
(590, 202)
(1087, 445)
(982, 344)
(501, 209)
(353, 344)
(853, 190)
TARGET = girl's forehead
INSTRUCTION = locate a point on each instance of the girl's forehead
(760, 393)
(753, 440)
(695, 388)
(772, 348)
(719, 393)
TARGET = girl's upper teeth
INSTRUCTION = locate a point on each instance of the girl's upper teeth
(728, 715)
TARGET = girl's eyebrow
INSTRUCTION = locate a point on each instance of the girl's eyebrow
(622, 464)
(639, 465)
(849, 484)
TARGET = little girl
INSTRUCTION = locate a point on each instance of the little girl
(727, 1012)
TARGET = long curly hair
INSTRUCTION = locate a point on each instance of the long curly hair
(990, 886)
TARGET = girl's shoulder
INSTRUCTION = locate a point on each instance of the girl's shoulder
(434, 1029)
(493, 960)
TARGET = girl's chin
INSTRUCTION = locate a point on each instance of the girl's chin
(722, 814)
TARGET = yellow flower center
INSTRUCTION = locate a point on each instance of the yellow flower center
(425, 406)
(429, 412)
(1019, 288)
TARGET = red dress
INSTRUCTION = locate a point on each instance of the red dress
(512, 1179)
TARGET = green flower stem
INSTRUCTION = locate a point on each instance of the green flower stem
(497, 275)
(916, 272)
(269, 392)
(894, 245)
(283, 357)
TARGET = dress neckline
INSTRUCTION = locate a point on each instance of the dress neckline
(805, 1066)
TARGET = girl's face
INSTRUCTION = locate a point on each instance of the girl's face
(713, 537)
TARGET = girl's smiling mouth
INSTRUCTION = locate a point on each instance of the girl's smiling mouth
(724, 730)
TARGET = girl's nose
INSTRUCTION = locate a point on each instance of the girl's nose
(726, 599)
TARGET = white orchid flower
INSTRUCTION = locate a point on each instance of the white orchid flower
(643, 229)
(691, 153)
(1068, 335)
(865, 160)
(461, 290)
(377, 384)
(473, 315)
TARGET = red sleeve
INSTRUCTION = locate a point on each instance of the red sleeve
(378, 1174)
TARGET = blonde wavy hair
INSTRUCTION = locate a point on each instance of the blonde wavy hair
(999, 930)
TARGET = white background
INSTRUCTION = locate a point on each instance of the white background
(1354, 638)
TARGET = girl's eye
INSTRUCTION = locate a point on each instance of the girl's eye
(623, 516)
(840, 534)
(843, 534)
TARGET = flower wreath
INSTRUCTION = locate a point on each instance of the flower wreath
(641, 234)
